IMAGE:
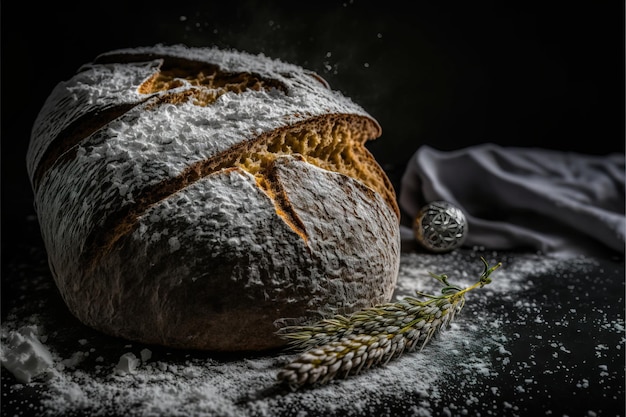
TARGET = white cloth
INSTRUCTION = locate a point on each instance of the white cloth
(554, 202)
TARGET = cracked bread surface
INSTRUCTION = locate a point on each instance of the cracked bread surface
(167, 177)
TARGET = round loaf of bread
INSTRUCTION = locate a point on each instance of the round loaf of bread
(201, 198)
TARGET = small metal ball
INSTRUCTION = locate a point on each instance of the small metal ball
(440, 226)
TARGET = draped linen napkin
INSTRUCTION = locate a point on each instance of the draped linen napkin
(514, 198)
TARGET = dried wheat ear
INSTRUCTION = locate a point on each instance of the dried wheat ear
(346, 345)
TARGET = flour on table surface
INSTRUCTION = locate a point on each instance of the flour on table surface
(460, 371)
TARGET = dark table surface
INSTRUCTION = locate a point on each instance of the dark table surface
(546, 337)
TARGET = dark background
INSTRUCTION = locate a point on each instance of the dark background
(447, 74)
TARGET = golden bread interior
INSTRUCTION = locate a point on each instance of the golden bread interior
(331, 145)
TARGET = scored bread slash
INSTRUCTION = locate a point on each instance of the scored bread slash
(193, 197)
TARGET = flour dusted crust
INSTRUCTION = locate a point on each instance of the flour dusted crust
(198, 198)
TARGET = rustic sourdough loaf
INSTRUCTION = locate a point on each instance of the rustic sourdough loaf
(199, 198)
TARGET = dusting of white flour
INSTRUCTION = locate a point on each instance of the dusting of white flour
(150, 381)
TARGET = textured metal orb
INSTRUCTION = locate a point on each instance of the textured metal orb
(440, 226)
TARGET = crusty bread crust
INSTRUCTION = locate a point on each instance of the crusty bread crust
(197, 198)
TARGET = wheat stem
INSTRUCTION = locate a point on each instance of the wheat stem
(341, 346)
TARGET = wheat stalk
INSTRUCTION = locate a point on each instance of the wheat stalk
(341, 346)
